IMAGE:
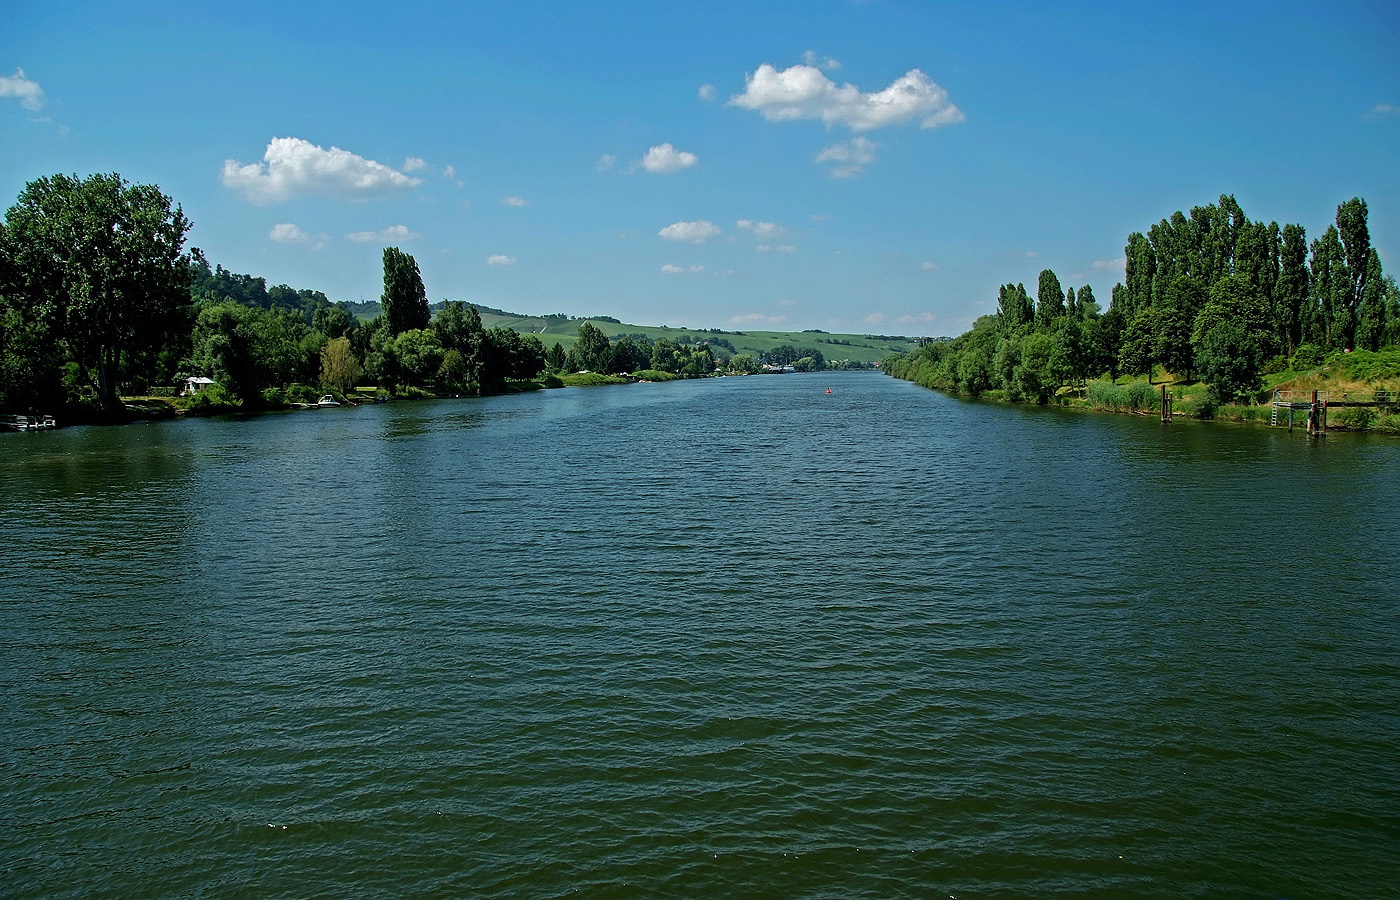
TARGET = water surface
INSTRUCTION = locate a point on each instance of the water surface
(732, 638)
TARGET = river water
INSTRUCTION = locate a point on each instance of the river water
(725, 638)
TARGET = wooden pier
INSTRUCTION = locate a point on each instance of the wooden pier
(1316, 404)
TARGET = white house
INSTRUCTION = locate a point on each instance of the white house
(195, 384)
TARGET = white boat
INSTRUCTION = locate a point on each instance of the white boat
(19, 423)
(327, 400)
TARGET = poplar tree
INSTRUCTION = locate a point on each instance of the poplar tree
(404, 299)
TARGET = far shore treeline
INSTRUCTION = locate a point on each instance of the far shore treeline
(100, 300)
(1210, 298)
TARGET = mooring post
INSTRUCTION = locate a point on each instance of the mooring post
(1313, 419)
(1166, 405)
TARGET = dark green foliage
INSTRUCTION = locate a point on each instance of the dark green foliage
(97, 267)
(1049, 301)
(593, 350)
(405, 300)
(1228, 357)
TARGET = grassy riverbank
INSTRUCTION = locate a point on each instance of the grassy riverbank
(1340, 377)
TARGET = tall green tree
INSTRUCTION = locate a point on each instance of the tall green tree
(99, 264)
(458, 329)
(405, 301)
(593, 349)
(1015, 307)
(1292, 313)
(1050, 301)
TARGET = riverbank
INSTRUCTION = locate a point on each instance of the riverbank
(1340, 380)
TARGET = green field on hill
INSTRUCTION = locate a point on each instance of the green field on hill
(563, 329)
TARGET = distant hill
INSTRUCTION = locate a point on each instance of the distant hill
(563, 329)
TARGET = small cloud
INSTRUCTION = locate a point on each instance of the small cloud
(929, 267)
(392, 233)
(819, 217)
(1118, 263)
(606, 162)
(293, 167)
(803, 92)
(781, 248)
(287, 233)
(851, 156)
(923, 318)
(514, 201)
(30, 95)
(707, 92)
(450, 173)
(825, 63)
(663, 159)
(670, 269)
(762, 230)
(414, 163)
(1379, 111)
(751, 318)
(874, 318)
(500, 259)
(697, 232)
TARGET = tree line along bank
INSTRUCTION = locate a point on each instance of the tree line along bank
(1210, 298)
(99, 298)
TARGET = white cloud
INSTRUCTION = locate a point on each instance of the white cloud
(450, 173)
(875, 318)
(762, 230)
(606, 162)
(392, 233)
(514, 201)
(670, 269)
(690, 232)
(500, 259)
(781, 248)
(751, 318)
(803, 92)
(825, 63)
(852, 156)
(707, 92)
(923, 318)
(1119, 263)
(663, 159)
(1380, 110)
(293, 167)
(414, 163)
(30, 95)
(287, 233)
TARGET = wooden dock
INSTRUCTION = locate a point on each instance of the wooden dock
(1316, 404)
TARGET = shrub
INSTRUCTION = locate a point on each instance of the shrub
(1307, 356)
(1355, 418)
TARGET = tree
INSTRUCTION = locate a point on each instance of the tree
(1291, 291)
(458, 330)
(593, 349)
(1229, 357)
(555, 359)
(1050, 301)
(1015, 307)
(405, 301)
(99, 264)
(339, 367)
(419, 355)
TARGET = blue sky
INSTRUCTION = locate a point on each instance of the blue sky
(872, 166)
